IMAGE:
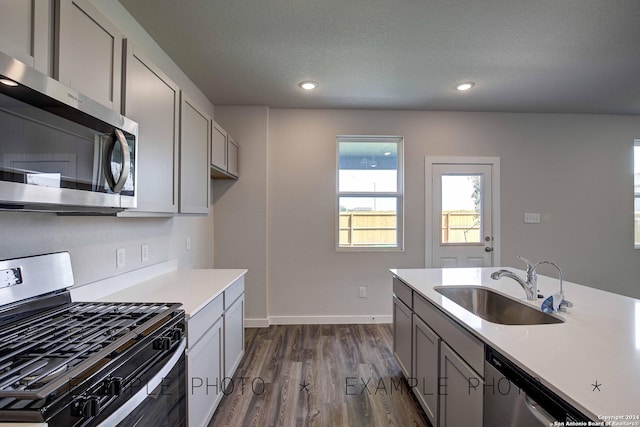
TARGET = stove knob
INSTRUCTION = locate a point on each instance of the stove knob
(162, 343)
(176, 334)
(86, 407)
(111, 387)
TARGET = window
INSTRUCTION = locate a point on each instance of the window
(369, 196)
(636, 193)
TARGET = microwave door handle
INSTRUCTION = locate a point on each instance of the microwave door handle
(126, 161)
(116, 186)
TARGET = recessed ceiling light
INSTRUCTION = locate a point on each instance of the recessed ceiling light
(308, 85)
(8, 82)
(464, 86)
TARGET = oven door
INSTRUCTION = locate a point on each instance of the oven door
(159, 401)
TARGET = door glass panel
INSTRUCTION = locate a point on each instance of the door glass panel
(461, 209)
(368, 221)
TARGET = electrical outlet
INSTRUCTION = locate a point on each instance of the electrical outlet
(188, 243)
(362, 292)
(144, 253)
(121, 256)
(532, 218)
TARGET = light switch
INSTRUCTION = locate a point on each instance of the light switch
(531, 218)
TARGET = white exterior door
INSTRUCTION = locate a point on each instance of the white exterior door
(462, 203)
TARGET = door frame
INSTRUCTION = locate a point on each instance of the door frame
(495, 208)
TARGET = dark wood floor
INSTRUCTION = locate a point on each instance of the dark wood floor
(319, 375)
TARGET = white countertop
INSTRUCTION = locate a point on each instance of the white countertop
(193, 288)
(599, 342)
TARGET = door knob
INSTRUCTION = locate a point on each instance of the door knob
(488, 249)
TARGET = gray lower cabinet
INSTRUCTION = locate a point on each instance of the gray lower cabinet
(461, 397)
(204, 374)
(426, 359)
(89, 52)
(152, 99)
(402, 335)
(215, 346)
(25, 32)
(233, 328)
(443, 363)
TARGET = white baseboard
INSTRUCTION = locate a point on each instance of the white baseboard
(329, 320)
(256, 323)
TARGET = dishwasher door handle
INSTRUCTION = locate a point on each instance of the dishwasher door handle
(539, 413)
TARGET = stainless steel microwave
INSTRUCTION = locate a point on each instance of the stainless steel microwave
(59, 150)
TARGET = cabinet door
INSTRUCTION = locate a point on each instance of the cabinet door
(152, 100)
(89, 52)
(232, 157)
(194, 158)
(219, 148)
(461, 394)
(25, 31)
(233, 336)
(204, 376)
(402, 342)
(426, 360)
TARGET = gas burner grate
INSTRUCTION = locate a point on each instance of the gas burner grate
(41, 353)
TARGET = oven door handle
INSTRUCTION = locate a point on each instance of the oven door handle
(130, 405)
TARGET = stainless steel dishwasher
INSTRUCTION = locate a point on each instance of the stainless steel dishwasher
(514, 398)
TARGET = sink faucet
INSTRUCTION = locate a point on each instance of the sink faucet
(563, 304)
(529, 284)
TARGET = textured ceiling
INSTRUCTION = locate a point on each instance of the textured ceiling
(572, 56)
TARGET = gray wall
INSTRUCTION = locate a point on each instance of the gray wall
(576, 170)
(240, 207)
(92, 241)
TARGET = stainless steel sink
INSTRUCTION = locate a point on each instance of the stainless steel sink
(495, 307)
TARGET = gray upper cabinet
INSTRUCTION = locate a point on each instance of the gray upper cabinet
(194, 158)
(219, 148)
(25, 31)
(224, 154)
(232, 157)
(153, 100)
(89, 52)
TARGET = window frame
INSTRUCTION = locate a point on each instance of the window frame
(636, 195)
(398, 194)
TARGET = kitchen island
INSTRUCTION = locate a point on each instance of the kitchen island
(591, 360)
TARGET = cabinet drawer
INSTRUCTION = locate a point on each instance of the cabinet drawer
(233, 292)
(462, 342)
(198, 325)
(403, 292)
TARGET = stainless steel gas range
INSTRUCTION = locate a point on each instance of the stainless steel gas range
(85, 363)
